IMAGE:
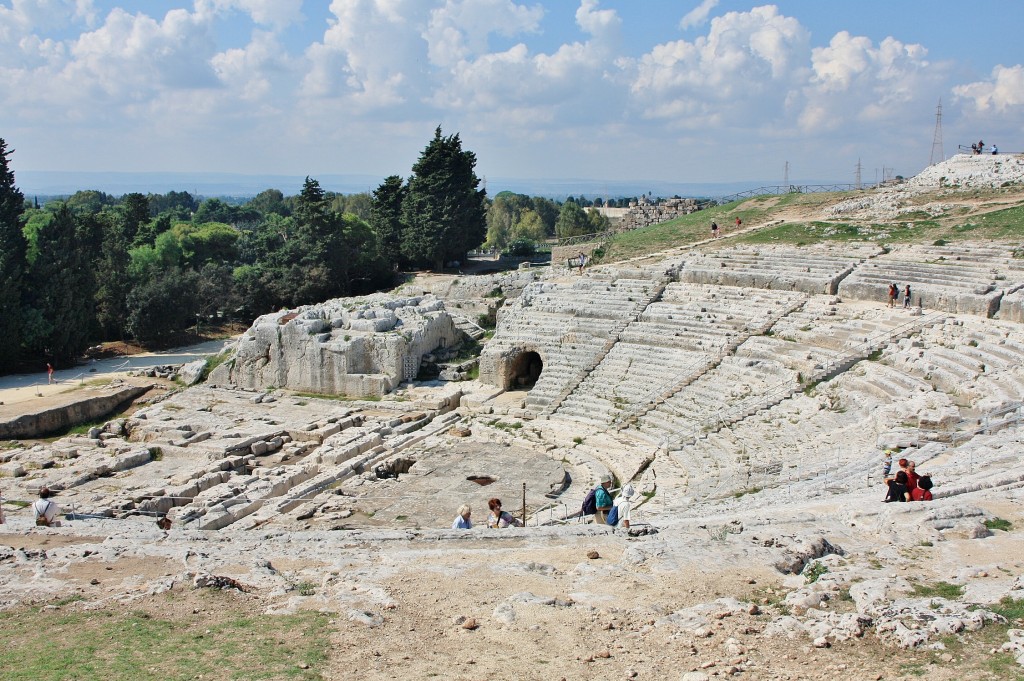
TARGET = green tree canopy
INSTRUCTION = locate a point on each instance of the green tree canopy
(443, 212)
(572, 221)
(60, 295)
(13, 248)
(386, 219)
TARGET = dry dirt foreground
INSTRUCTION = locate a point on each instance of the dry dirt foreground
(534, 603)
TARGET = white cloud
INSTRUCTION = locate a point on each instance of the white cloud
(460, 28)
(698, 15)
(372, 53)
(531, 93)
(746, 57)
(27, 16)
(1002, 93)
(276, 14)
(252, 72)
(853, 80)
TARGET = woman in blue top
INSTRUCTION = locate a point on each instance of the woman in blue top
(462, 521)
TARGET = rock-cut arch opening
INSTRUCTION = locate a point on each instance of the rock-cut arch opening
(525, 371)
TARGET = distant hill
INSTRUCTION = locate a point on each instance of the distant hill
(56, 183)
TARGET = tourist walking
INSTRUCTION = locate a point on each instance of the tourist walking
(499, 518)
(462, 521)
(49, 373)
(894, 292)
(714, 230)
(906, 297)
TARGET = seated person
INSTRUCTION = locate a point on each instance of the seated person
(462, 521)
(898, 488)
(624, 504)
(922, 488)
(46, 510)
(499, 518)
(603, 499)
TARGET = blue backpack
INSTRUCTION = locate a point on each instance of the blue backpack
(613, 516)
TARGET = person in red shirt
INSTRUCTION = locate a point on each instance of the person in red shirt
(912, 475)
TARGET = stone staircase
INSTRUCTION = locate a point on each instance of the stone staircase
(613, 337)
(758, 403)
(467, 326)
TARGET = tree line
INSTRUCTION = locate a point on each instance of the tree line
(93, 267)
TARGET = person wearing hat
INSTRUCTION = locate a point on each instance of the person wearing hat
(603, 500)
(45, 510)
(624, 502)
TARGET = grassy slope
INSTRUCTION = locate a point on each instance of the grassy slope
(163, 643)
(987, 220)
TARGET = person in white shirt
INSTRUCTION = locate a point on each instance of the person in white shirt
(625, 504)
(45, 510)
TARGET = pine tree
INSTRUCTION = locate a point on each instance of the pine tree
(444, 213)
(12, 264)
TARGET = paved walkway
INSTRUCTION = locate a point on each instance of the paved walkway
(23, 387)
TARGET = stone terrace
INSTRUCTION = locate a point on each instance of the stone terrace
(571, 327)
(209, 458)
(674, 340)
(812, 269)
(809, 343)
(967, 279)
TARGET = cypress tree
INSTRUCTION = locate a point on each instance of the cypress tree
(12, 264)
(444, 212)
(60, 295)
(386, 218)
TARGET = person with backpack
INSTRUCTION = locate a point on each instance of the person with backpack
(602, 500)
(621, 507)
(45, 510)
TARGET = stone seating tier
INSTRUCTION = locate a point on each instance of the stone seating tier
(733, 385)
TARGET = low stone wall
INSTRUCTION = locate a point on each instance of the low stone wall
(55, 419)
(560, 255)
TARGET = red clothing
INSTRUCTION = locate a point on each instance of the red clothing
(918, 494)
(912, 479)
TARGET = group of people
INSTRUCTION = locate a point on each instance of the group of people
(894, 295)
(497, 518)
(907, 484)
(716, 230)
(608, 511)
(979, 148)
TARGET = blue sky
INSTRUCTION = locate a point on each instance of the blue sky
(608, 90)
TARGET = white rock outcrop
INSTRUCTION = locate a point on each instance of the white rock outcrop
(353, 346)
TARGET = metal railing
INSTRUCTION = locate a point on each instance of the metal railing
(585, 238)
(794, 189)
